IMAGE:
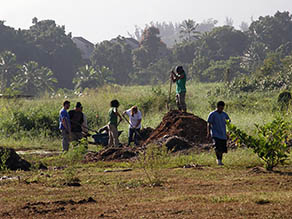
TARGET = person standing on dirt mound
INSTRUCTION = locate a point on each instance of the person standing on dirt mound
(76, 119)
(113, 124)
(179, 76)
(217, 130)
(64, 125)
(135, 124)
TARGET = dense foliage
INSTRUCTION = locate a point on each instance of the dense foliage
(256, 57)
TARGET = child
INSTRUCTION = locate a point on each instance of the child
(217, 129)
(113, 124)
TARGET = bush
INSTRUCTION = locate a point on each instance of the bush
(284, 99)
(281, 80)
(269, 143)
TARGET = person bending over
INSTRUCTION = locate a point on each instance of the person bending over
(135, 124)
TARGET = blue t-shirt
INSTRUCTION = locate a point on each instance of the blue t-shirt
(218, 124)
(64, 114)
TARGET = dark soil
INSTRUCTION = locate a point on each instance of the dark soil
(12, 160)
(185, 125)
(175, 144)
(178, 131)
(53, 207)
(145, 133)
(109, 154)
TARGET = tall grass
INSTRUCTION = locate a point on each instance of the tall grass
(34, 122)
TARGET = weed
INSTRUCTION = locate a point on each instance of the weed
(152, 160)
(223, 199)
(4, 156)
(77, 154)
(70, 176)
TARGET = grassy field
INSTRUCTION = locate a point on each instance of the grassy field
(169, 186)
(18, 116)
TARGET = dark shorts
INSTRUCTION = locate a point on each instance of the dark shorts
(220, 145)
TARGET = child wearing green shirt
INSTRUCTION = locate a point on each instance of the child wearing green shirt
(179, 76)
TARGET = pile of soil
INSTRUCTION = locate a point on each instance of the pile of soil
(175, 144)
(145, 133)
(109, 154)
(12, 160)
(181, 124)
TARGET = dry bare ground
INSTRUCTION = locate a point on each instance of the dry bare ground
(195, 192)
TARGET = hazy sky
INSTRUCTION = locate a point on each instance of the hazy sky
(98, 20)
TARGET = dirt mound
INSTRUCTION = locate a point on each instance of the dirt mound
(109, 154)
(175, 144)
(12, 160)
(146, 132)
(185, 125)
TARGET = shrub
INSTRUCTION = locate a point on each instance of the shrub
(284, 100)
(269, 143)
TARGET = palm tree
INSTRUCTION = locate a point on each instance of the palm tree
(89, 77)
(8, 69)
(33, 79)
(188, 30)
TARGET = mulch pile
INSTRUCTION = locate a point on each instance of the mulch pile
(12, 160)
(180, 124)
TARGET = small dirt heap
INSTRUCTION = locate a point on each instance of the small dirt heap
(109, 154)
(185, 125)
(12, 160)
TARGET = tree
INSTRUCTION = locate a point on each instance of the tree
(207, 25)
(273, 31)
(189, 30)
(222, 43)
(184, 52)
(117, 56)
(244, 27)
(54, 49)
(255, 55)
(8, 69)
(33, 79)
(151, 49)
(88, 77)
(223, 70)
(229, 21)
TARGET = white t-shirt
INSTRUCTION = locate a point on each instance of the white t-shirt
(134, 119)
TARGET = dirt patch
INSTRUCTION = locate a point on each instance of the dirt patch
(185, 125)
(109, 154)
(257, 170)
(12, 161)
(53, 207)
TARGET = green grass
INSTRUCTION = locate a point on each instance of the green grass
(245, 109)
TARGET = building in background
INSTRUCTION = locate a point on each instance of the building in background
(85, 47)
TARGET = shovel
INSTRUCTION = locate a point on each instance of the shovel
(169, 94)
